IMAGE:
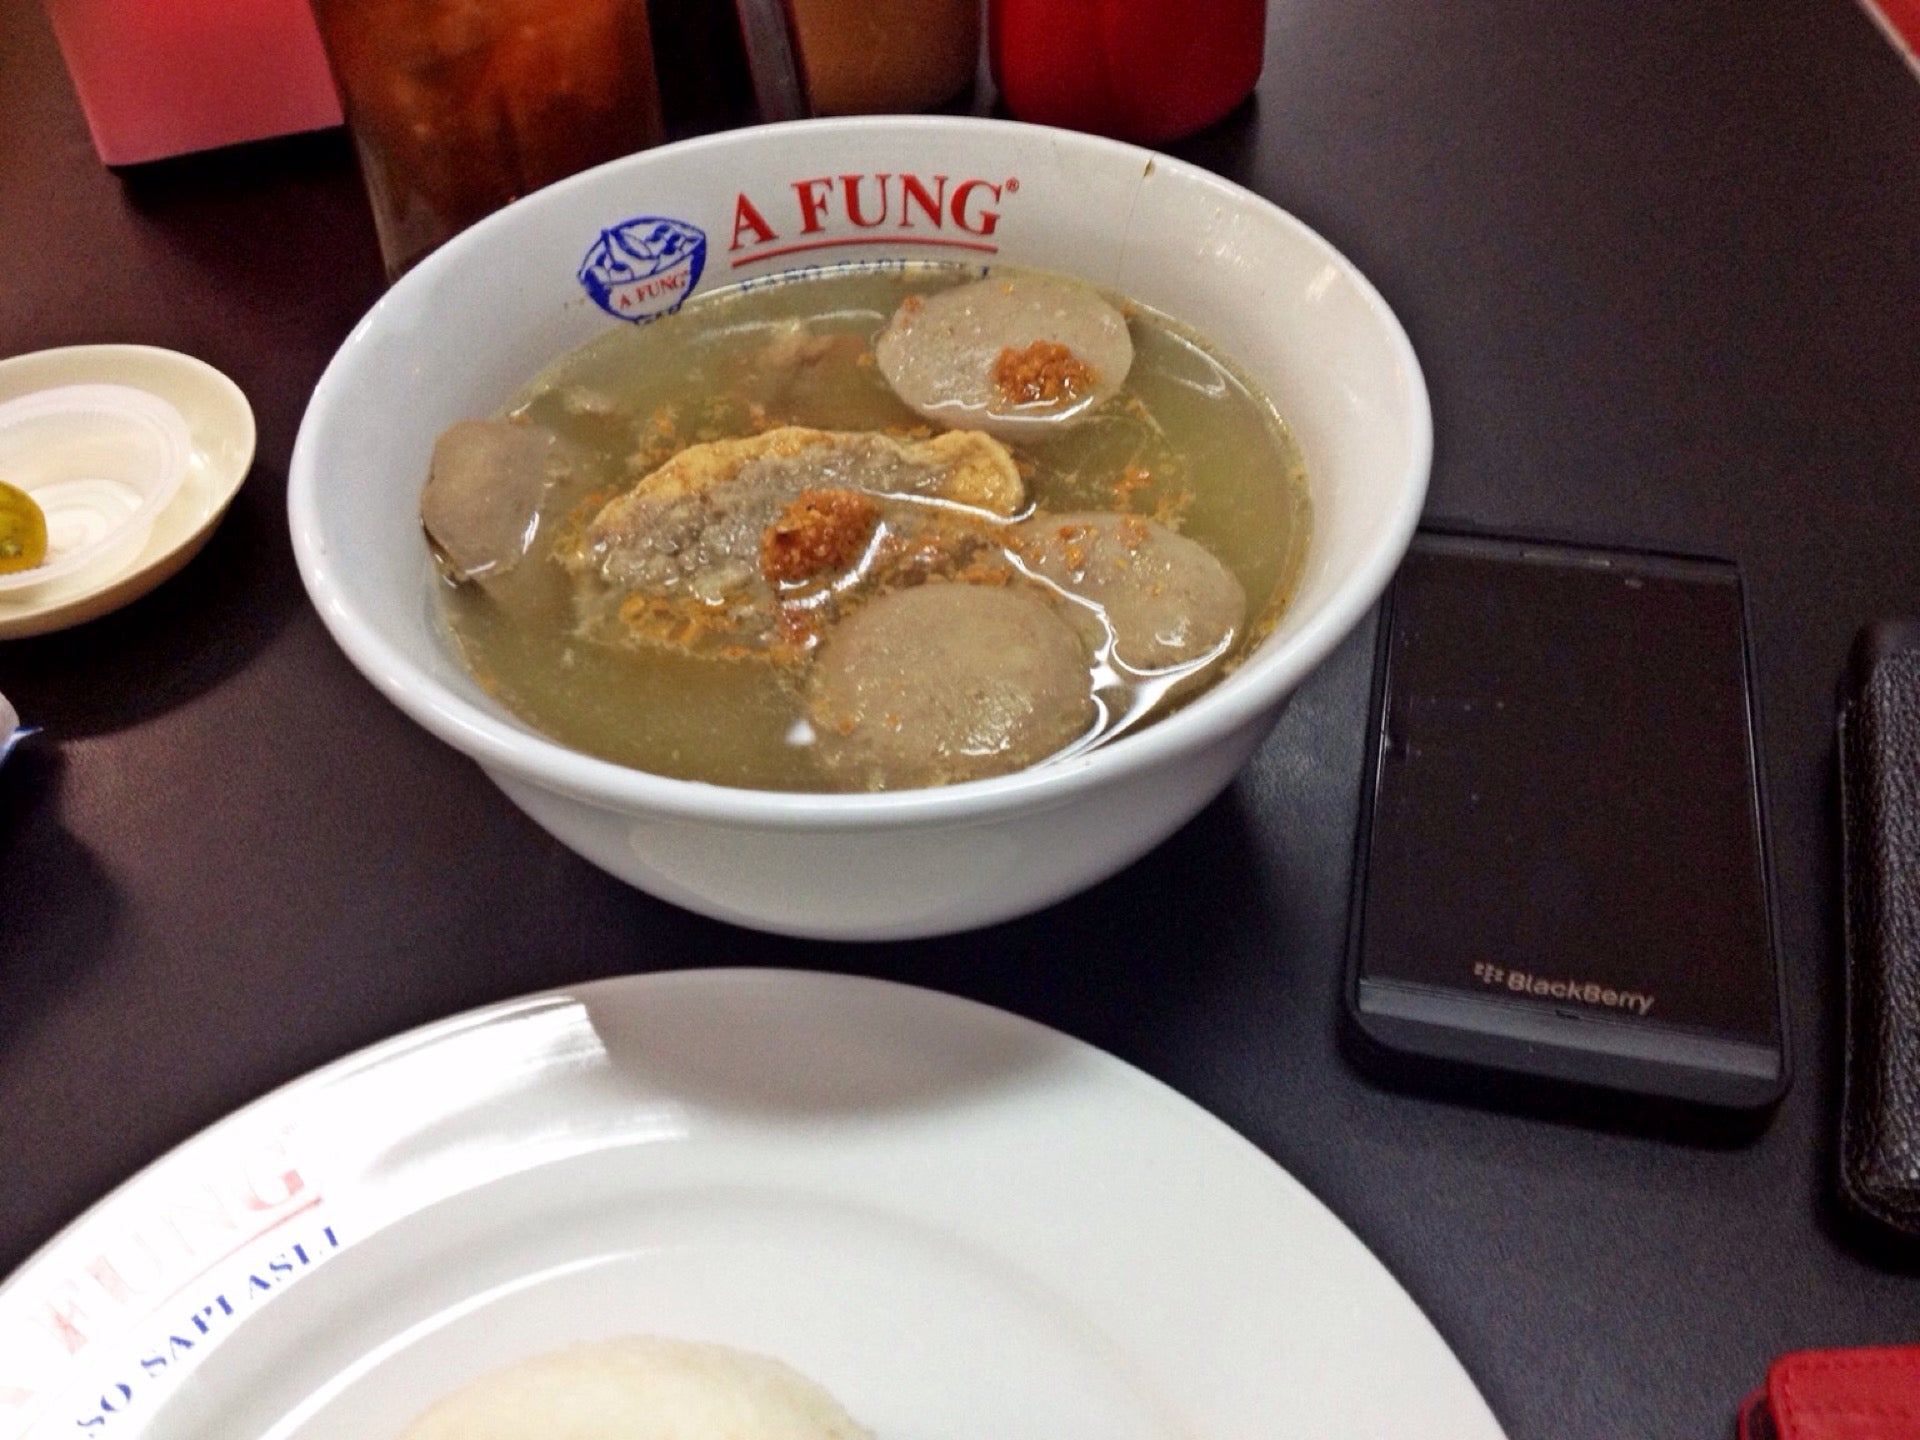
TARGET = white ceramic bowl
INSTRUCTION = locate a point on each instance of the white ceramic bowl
(466, 329)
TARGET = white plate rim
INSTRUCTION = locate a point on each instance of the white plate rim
(1443, 1406)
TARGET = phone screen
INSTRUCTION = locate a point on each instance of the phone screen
(1563, 870)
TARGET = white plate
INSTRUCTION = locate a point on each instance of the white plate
(962, 1224)
(220, 450)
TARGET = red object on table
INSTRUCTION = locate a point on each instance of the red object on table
(1900, 19)
(167, 77)
(1872, 1393)
(1143, 70)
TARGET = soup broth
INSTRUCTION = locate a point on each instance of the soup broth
(1187, 442)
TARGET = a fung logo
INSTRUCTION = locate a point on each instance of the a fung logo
(645, 267)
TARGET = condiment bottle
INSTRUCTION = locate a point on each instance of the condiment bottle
(1142, 70)
(855, 57)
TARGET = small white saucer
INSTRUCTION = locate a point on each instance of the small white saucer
(221, 440)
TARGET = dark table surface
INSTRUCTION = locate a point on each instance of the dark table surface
(1662, 265)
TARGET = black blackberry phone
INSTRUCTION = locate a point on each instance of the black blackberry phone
(1562, 869)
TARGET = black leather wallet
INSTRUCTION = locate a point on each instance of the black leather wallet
(1880, 826)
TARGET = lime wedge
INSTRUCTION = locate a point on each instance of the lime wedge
(23, 530)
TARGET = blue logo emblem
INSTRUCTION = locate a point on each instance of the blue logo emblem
(645, 267)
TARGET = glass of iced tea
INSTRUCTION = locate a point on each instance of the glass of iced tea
(459, 106)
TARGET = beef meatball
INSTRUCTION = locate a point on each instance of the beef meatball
(1015, 356)
(481, 504)
(1166, 599)
(947, 682)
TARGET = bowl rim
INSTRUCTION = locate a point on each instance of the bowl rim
(1257, 686)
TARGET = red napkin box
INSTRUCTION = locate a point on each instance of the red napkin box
(166, 77)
